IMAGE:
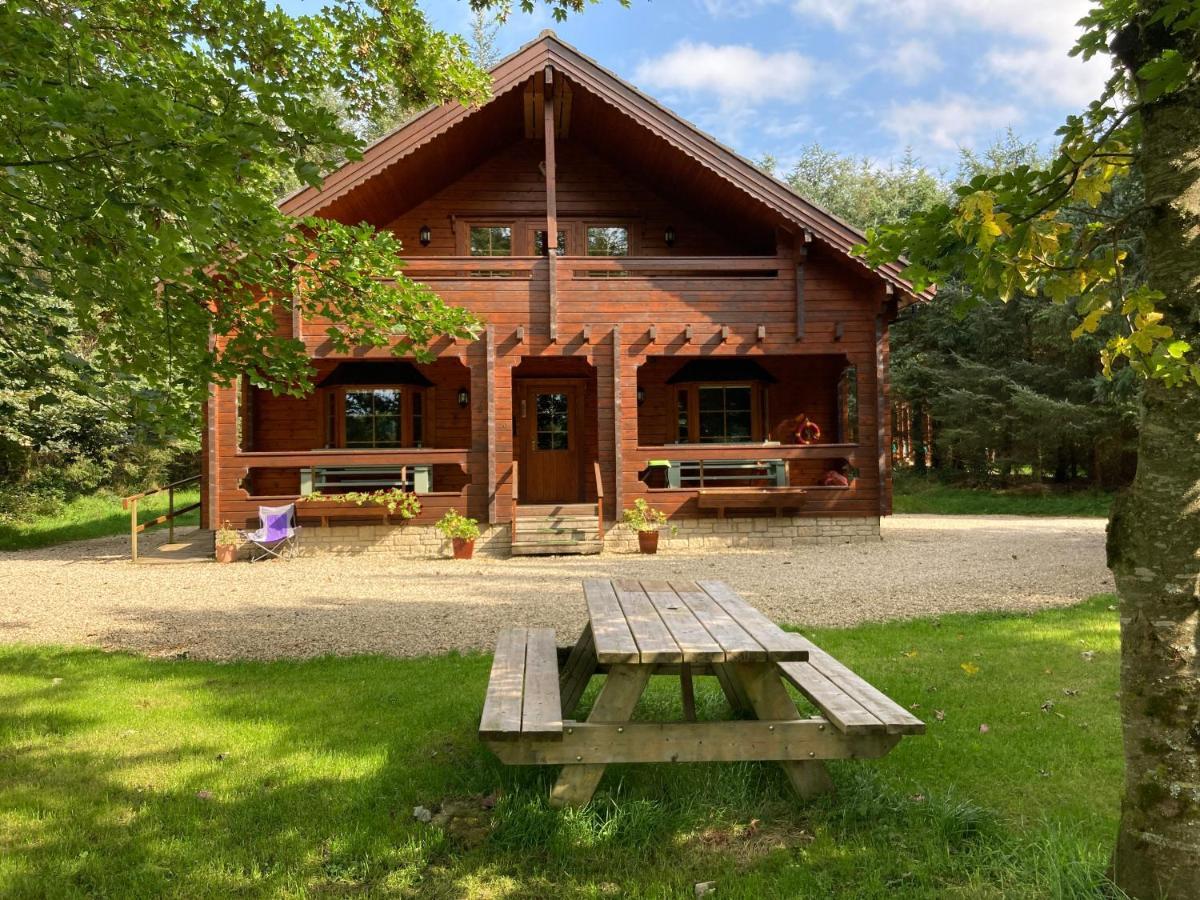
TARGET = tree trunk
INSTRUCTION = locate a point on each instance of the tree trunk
(1154, 543)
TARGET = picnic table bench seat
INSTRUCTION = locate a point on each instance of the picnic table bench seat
(523, 695)
(775, 498)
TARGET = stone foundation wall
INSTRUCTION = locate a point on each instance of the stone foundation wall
(401, 540)
(691, 534)
(767, 532)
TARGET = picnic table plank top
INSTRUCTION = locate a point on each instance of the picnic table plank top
(684, 621)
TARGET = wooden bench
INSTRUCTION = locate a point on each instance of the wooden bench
(523, 698)
(776, 498)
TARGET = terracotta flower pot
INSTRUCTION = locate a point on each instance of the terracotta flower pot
(226, 553)
(463, 548)
(648, 541)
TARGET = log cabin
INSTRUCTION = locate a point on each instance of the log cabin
(663, 320)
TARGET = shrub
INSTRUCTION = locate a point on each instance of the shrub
(455, 525)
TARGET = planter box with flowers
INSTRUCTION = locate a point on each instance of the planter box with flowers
(387, 503)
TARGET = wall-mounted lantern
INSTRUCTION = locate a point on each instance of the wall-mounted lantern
(641, 396)
(463, 397)
(669, 236)
(425, 235)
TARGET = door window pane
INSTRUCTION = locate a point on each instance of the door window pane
(552, 422)
(608, 240)
(539, 243)
(491, 240)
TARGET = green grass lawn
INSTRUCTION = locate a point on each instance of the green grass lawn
(93, 516)
(127, 777)
(914, 494)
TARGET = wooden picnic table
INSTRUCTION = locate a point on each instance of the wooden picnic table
(684, 629)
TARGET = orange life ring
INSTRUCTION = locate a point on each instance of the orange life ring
(808, 431)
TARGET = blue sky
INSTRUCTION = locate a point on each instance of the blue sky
(864, 77)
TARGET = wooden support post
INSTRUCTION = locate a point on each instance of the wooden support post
(770, 701)
(490, 376)
(688, 692)
(883, 451)
(623, 687)
(171, 514)
(618, 465)
(551, 203)
(133, 530)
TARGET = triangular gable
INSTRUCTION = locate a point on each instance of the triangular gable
(547, 49)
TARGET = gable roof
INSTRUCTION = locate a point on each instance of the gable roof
(531, 59)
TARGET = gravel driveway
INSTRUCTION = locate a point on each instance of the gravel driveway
(87, 593)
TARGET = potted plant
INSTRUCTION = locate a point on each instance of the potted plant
(647, 522)
(461, 531)
(226, 543)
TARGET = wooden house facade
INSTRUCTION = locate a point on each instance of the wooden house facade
(662, 321)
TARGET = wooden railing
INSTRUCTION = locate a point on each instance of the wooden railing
(675, 266)
(696, 452)
(599, 498)
(423, 268)
(131, 503)
(291, 459)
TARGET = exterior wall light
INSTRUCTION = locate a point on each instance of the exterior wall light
(463, 397)
(669, 236)
(425, 235)
(641, 396)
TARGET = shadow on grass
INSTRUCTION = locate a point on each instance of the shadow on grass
(131, 777)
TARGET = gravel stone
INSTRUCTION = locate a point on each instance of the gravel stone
(89, 593)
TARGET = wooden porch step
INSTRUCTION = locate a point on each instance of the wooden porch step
(557, 547)
(542, 510)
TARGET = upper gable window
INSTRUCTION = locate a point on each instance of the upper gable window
(491, 240)
(607, 240)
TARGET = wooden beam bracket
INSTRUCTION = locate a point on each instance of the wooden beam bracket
(687, 333)
(761, 332)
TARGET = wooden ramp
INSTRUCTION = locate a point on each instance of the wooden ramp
(552, 529)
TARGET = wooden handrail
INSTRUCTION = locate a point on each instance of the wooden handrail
(131, 503)
(713, 452)
(674, 263)
(401, 456)
(599, 497)
(512, 529)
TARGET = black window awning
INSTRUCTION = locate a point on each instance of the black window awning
(385, 373)
(721, 370)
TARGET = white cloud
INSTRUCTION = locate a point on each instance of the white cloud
(736, 9)
(948, 123)
(733, 73)
(1038, 64)
(911, 61)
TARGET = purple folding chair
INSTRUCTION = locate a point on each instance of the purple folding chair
(277, 536)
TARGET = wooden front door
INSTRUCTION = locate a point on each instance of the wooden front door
(548, 440)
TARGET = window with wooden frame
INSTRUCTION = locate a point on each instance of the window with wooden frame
(608, 240)
(366, 417)
(719, 413)
(490, 240)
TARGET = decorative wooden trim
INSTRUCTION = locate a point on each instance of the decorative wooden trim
(490, 374)
(552, 294)
(801, 313)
